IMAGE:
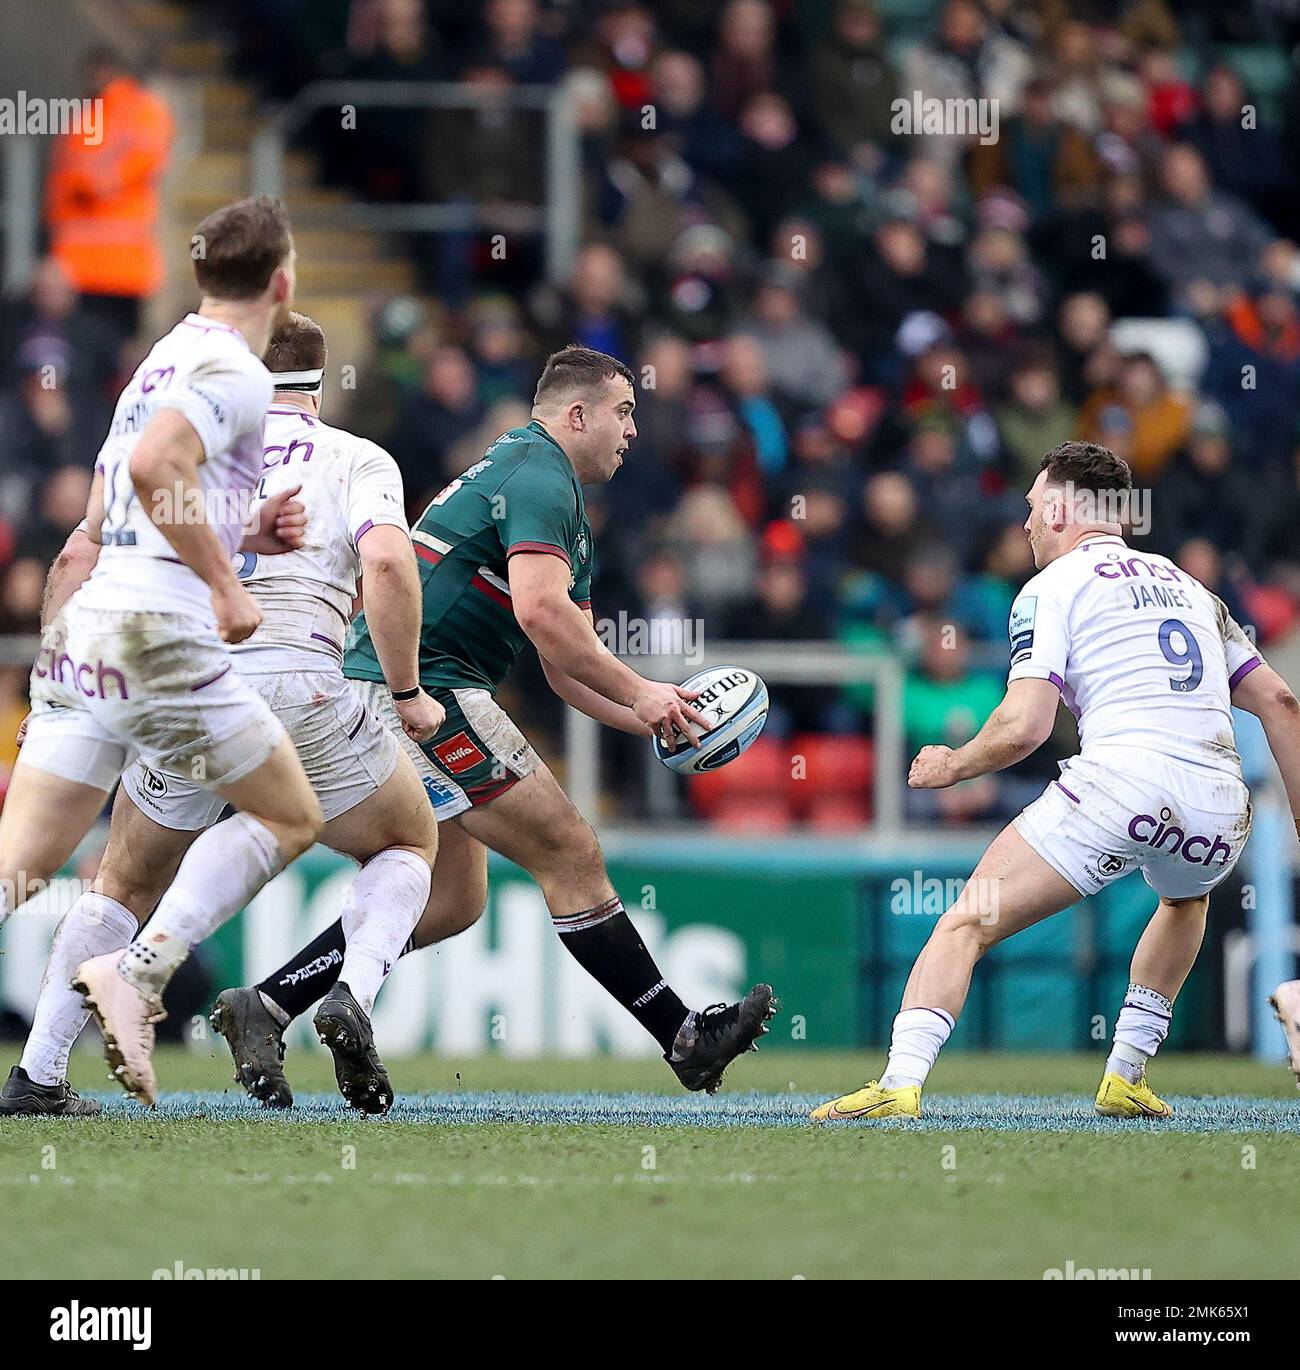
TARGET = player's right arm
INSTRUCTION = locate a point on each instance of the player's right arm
(164, 468)
(1262, 692)
(393, 610)
(565, 638)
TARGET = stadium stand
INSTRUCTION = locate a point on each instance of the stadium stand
(859, 339)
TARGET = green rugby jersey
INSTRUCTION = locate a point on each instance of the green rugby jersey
(521, 497)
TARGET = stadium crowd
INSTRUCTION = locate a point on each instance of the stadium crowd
(854, 342)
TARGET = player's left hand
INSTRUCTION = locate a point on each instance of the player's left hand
(281, 525)
(932, 769)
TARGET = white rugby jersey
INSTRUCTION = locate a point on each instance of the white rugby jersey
(348, 486)
(1144, 655)
(205, 370)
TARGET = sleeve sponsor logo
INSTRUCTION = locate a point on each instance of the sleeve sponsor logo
(1021, 627)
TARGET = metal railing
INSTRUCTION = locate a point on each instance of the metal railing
(558, 216)
(778, 663)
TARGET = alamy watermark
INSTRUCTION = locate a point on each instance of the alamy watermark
(1130, 509)
(34, 114)
(919, 114)
(628, 635)
(930, 896)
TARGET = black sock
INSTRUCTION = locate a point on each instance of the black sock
(312, 973)
(606, 945)
(309, 975)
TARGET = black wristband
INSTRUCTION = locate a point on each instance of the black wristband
(401, 696)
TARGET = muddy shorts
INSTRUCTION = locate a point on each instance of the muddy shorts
(474, 758)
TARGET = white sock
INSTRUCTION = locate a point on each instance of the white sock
(221, 872)
(914, 1047)
(383, 906)
(93, 926)
(6, 901)
(1142, 1025)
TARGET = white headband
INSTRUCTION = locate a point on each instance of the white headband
(299, 380)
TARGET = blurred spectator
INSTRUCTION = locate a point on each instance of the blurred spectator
(1202, 494)
(1083, 323)
(783, 609)
(853, 81)
(649, 484)
(1200, 558)
(1254, 371)
(715, 546)
(22, 588)
(516, 44)
(771, 172)
(597, 308)
(1199, 233)
(40, 429)
(101, 196)
(1034, 420)
(744, 62)
(892, 528)
(1159, 418)
(1000, 265)
(444, 409)
(804, 363)
(496, 349)
(901, 276)
(700, 135)
(945, 703)
(63, 500)
(51, 321)
(381, 153)
(969, 58)
(1046, 161)
(1243, 156)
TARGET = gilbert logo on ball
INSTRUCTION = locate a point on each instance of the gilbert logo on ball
(734, 701)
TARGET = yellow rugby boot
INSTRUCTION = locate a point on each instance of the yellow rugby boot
(872, 1101)
(1120, 1098)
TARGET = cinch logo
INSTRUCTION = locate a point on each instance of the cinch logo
(1116, 567)
(458, 753)
(75, 1323)
(92, 681)
(1153, 832)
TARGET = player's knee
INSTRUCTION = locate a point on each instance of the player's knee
(135, 889)
(298, 830)
(448, 918)
(965, 927)
(1196, 907)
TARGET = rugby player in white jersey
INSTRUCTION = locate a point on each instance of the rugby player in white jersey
(135, 663)
(374, 802)
(1151, 663)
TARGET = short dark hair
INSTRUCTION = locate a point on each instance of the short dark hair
(575, 368)
(297, 345)
(1087, 466)
(239, 246)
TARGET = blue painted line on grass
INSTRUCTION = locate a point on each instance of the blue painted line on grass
(970, 1112)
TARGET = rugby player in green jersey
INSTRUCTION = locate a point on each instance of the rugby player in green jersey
(505, 555)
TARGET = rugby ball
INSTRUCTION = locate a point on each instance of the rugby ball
(734, 701)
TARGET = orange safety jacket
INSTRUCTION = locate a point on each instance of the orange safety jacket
(101, 198)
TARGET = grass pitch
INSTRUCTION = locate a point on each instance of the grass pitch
(569, 1169)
